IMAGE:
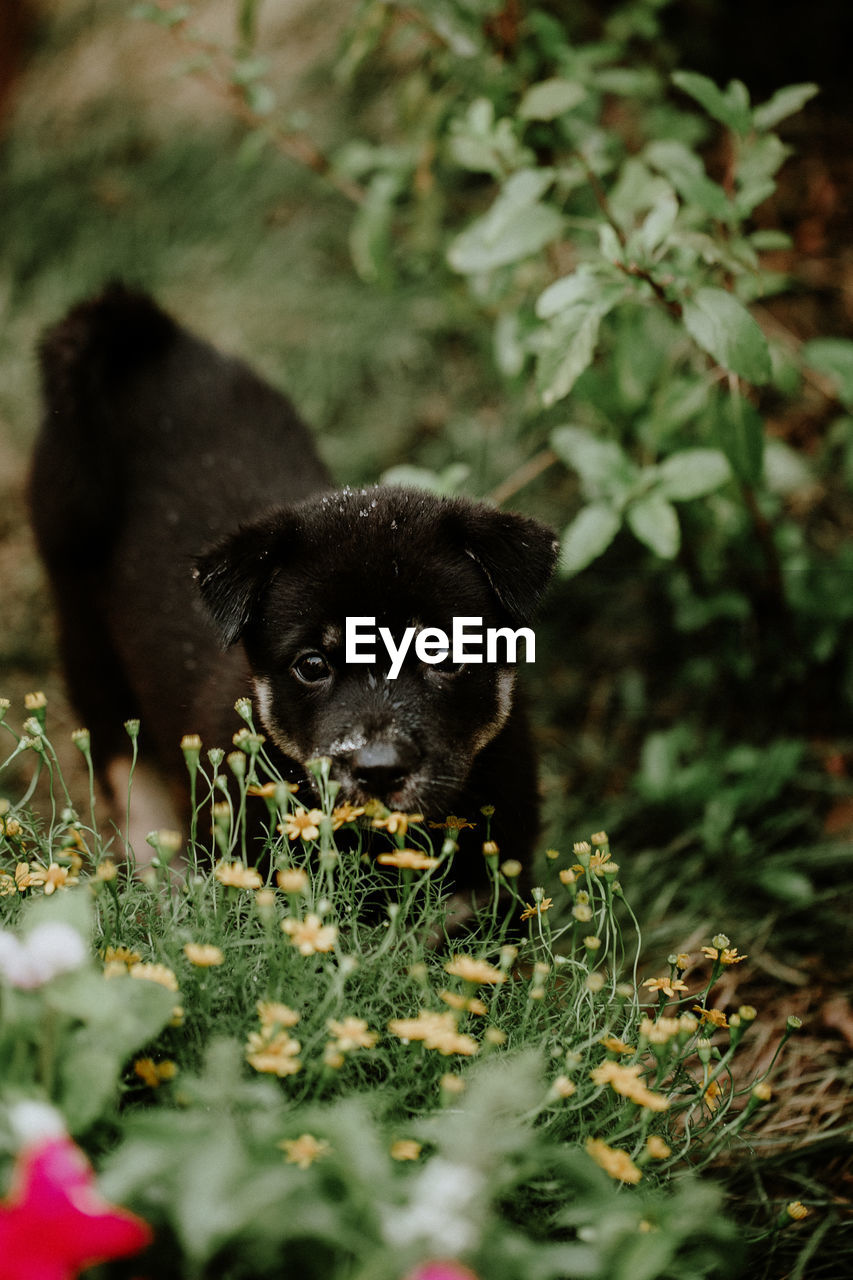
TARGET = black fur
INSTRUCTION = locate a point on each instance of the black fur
(161, 461)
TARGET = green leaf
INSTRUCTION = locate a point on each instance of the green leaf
(550, 98)
(515, 227)
(581, 287)
(729, 106)
(687, 174)
(588, 536)
(370, 230)
(570, 349)
(655, 522)
(603, 466)
(722, 326)
(692, 473)
(833, 357)
(740, 434)
(785, 102)
(658, 224)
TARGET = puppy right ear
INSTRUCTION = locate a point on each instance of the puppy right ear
(232, 576)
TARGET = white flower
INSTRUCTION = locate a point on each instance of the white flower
(444, 1213)
(47, 950)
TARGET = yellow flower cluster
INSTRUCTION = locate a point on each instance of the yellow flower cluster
(154, 1073)
(618, 1164)
(25, 877)
(235, 876)
(310, 935)
(408, 860)
(474, 971)
(350, 1034)
(271, 1050)
(204, 955)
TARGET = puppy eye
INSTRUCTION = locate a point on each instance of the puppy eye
(447, 667)
(311, 668)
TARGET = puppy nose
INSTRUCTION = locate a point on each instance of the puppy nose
(380, 767)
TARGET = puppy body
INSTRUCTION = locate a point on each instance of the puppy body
(160, 461)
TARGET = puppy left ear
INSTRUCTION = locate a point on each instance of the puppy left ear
(232, 576)
(516, 554)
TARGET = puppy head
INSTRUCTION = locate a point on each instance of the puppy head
(285, 586)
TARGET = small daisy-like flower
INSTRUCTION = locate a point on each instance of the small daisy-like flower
(475, 971)
(537, 909)
(656, 1148)
(204, 955)
(121, 955)
(405, 1149)
(351, 1034)
(397, 824)
(715, 1017)
(310, 935)
(436, 1030)
(796, 1210)
(273, 1015)
(292, 880)
(343, 813)
(464, 1004)
(57, 877)
(725, 955)
(276, 1054)
(408, 860)
(618, 1164)
(26, 878)
(614, 1045)
(452, 823)
(302, 824)
(597, 861)
(669, 986)
(154, 1073)
(106, 871)
(304, 1150)
(159, 973)
(235, 876)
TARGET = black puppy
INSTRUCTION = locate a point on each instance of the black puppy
(161, 461)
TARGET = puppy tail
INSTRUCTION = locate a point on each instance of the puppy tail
(75, 485)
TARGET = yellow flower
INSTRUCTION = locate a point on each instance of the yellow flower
(273, 1014)
(57, 877)
(302, 824)
(476, 971)
(352, 1033)
(408, 860)
(656, 1148)
(7, 884)
(715, 1016)
(436, 1030)
(490, 849)
(452, 823)
(661, 1031)
(668, 986)
(106, 870)
(538, 908)
(452, 1083)
(204, 955)
(397, 824)
(343, 813)
(310, 935)
(614, 1045)
(35, 701)
(292, 880)
(466, 1004)
(712, 1095)
(626, 1082)
(796, 1210)
(275, 1054)
(563, 1087)
(121, 955)
(304, 1150)
(725, 955)
(618, 1164)
(236, 876)
(155, 973)
(567, 876)
(405, 1149)
(154, 1073)
(27, 879)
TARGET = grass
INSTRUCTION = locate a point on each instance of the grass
(359, 1062)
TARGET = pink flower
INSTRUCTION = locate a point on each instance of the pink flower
(441, 1271)
(54, 1224)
